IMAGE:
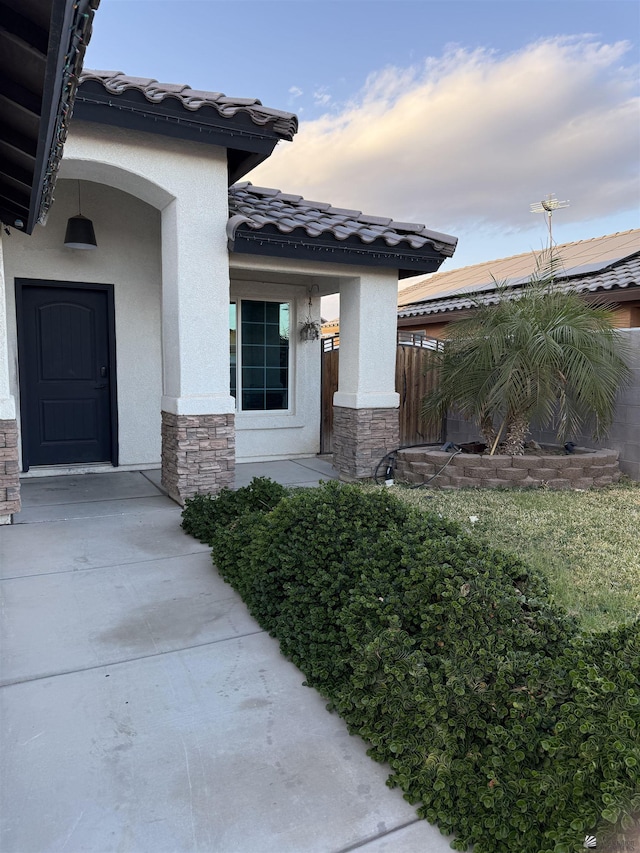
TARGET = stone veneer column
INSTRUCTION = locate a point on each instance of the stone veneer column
(198, 411)
(198, 454)
(9, 479)
(365, 406)
(361, 437)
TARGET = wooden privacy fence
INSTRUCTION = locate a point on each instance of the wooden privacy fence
(411, 384)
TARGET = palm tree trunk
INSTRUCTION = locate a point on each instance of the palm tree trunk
(487, 430)
(517, 429)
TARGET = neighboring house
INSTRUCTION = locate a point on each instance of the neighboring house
(606, 267)
(602, 268)
(330, 327)
(175, 342)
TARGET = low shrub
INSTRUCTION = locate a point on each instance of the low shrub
(497, 716)
(203, 515)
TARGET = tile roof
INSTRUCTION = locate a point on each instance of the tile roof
(257, 207)
(283, 124)
(617, 275)
(598, 251)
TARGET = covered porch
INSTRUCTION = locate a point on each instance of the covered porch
(96, 492)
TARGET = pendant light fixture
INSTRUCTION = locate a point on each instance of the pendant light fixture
(80, 233)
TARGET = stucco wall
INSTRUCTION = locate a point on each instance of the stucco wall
(187, 182)
(624, 435)
(128, 256)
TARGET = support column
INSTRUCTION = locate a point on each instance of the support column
(366, 425)
(198, 432)
(9, 477)
(198, 454)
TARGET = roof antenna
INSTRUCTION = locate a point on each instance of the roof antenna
(548, 205)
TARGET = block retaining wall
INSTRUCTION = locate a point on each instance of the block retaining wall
(584, 469)
(623, 436)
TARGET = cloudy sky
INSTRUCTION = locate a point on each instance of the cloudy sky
(454, 114)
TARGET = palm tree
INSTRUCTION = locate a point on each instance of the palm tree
(537, 354)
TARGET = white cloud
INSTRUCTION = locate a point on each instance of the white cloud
(295, 92)
(468, 140)
(321, 97)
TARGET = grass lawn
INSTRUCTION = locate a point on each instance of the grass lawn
(586, 543)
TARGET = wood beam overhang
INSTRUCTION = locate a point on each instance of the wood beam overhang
(16, 27)
(18, 142)
(42, 43)
(17, 95)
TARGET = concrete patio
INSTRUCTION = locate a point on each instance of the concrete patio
(143, 710)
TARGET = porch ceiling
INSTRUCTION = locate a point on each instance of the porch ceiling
(42, 45)
(326, 284)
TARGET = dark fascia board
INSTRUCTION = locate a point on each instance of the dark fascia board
(270, 242)
(247, 144)
(62, 12)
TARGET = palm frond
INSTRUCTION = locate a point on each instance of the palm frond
(537, 353)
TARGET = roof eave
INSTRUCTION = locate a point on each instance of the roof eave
(326, 249)
(622, 292)
(61, 16)
(69, 25)
(248, 144)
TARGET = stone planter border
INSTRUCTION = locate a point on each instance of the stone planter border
(583, 469)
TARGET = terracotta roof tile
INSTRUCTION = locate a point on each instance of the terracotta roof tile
(259, 206)
(116, 83)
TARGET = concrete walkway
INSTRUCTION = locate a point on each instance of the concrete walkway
(142, 708)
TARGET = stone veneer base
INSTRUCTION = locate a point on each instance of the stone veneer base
(9, 475)
(583, 469)
(198, 454)
(361, 437)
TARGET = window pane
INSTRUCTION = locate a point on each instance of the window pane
(272, 313)
(253, 356)
(252, 377)
(276, 400)
(276, 377)
(276, 356)
(232, 347)
(272, 335)
(252, 312)
(265, 355)
(253, 333)
(253, 401)
(284, 321)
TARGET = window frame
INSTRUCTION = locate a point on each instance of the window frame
(239, 389)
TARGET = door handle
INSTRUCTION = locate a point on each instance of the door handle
(100, 387)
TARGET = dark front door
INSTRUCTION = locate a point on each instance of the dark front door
(65, 351)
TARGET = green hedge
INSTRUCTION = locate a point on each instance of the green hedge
(204, 515)
(497, 716)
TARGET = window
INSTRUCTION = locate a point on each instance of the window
(259, 355)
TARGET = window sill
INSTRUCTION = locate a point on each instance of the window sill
(268, 420)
